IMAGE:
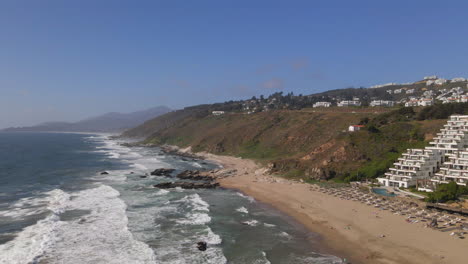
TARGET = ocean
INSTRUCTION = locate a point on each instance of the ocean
(57, 207)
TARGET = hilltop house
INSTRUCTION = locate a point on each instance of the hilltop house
(349, 103)
(459, 79)
(382, 103)
(217, 113)
(397, 91)
(409, 91)
(432, 77)
(440, 81)
(321, 104)
(419, 102)
(446, 159)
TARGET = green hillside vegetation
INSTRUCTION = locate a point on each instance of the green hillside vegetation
(313, 144)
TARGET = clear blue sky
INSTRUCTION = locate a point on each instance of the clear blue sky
(67, 60)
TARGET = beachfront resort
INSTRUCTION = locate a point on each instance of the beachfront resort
(445, 160)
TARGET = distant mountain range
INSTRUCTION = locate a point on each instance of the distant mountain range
(110, 122)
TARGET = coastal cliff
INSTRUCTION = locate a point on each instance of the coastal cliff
(309, 143)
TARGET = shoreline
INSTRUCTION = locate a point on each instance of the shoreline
(348, 229)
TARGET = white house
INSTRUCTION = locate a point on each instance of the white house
(411, 103)
(440, 81)
(321, 104)
(420, 102)
(382, 103)
(432, 77)
(217, 113)
(409, 91)
(349, 103)
(459, 79)
(354, 128)
(425, 102)
(397, 91)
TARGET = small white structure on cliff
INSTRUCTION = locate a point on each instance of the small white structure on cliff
(217, 113)
(354, 128)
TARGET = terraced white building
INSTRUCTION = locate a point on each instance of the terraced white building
(446, 159)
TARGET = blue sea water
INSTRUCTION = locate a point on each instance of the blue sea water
(56, 207)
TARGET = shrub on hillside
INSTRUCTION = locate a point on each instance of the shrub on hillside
(447, 192)
(442, 111)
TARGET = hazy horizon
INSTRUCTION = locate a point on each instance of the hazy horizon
(66, 61)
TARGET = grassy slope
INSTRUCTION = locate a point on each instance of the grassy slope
(302, 143)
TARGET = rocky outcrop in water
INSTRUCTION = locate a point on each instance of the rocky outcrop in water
(162, 172)
(195, 175)
(202, 246)
(104, 173)
(187, 185)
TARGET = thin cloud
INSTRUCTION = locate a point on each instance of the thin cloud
(317, 75)
(273, 84)
(267, 68)
(300, 64)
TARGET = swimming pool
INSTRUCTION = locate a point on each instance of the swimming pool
(383, 192)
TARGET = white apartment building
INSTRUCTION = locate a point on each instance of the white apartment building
(455, 169)
(321, 104)
(448, 152)
(349, 103)
(415, 164)
(382, 103)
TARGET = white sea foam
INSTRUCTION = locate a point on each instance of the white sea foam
(139, 167)
(242, 210)
(33, 241)
(269, 225)
(251, 199)
(264, 259)
(162, 192)
(99, 237)
(251, 222)
(196, 164)
(210, 237)
(285, 235)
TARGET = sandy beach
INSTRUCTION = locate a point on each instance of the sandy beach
(350, 229)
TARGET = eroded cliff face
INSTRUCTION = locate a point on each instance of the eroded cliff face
(306, 144)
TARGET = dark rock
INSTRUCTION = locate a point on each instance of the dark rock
(162, 172)
(104, 173)
(202, 246)
(143, 176)
(187, 185)
(194, 175)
